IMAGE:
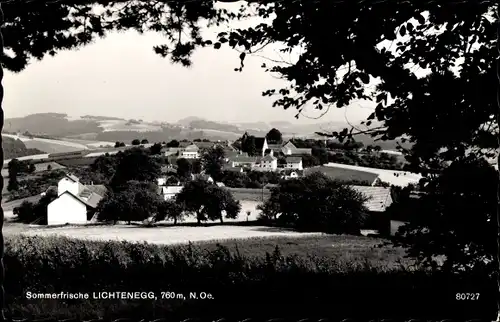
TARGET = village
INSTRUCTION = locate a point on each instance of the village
(75, 200)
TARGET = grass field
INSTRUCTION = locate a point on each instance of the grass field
(53, 146)
(247, 194)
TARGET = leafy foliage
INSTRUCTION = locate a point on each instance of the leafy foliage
(138, 202)
(316, 203)
(213, 162)
(274, 136)
(134, 164)
(455, 218)
(208, 201)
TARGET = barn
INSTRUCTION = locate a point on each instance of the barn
(75, 203)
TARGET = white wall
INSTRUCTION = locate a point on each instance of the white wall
(189, 155)
(297, 166)
(66, 184)
(66, 210)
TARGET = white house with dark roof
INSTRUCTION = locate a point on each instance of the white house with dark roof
(190, 152)
(293, 163)
(243, 161)
(75, 202)
(266, 163)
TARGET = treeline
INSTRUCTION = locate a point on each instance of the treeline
(13, 148)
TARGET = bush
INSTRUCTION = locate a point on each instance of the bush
(239, 284)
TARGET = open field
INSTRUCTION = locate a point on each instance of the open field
(123, 125)
(155, 235)
(393, 177)
(252, 195)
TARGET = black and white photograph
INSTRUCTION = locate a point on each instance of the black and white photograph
(260, 160)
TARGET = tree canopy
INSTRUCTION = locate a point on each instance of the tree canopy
(452, 42)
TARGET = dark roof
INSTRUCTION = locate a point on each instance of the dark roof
(184, 144)
(379, 197)
(293, 159)
(344, 175)
(232, 169)
(259, 143)
(267, 158)
(205, 145)
(275, 147)
(243, 159)
(72, 177)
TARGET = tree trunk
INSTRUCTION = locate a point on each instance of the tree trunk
(221, 219)
(498, 168)
(175, 220)
(2, 269)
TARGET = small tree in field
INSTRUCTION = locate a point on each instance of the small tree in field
(136, 142)
(316, 203)
(217, 201)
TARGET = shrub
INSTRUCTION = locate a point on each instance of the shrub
(276, 284)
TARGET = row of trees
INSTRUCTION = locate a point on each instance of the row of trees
(140, 201)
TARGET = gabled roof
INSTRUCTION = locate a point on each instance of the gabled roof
(290, 145)
(184, 144)
(87, 198)
(72, 177)
(275, 147)
(205, 145)
(243, 159)
(293, 159)
(192, 148)
(301, 151)
(379, 197)
(267, 158)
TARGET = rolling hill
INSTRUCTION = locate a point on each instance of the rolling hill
(13, 148)
(112, 129)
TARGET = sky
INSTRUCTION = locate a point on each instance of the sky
(121, 76)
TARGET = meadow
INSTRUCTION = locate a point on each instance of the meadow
(330, 276)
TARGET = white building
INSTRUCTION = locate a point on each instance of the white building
(161, 181)
(243, 161)
(267, 163)
(294, 163)
(75, 202)
(170, 192)
(190, 152)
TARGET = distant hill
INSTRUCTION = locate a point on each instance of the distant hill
(104, 128)
(16, 148)
(101, 118)
(50, 124)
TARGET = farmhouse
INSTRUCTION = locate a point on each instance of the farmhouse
(294, 163)
(290, 149)
(190, 152)
(243, 161)
(379, 199)
(75, 202)
(266, 163)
